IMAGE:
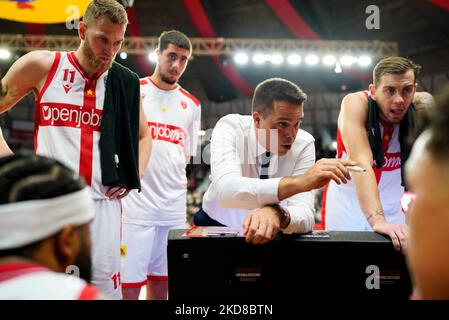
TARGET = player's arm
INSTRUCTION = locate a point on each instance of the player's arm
(145, 142)
(351, 122)
(4, 148)
(26, 74)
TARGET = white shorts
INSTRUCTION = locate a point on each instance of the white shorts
(144, 253)
(105, 233)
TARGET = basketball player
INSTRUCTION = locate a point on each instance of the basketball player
(70, 90)
(428, 178)
(45, 210)
(148, 216)
(372, 128)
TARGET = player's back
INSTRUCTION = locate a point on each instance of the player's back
(28, 281)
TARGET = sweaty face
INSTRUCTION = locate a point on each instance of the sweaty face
(428, 255)
(394, 94)
(102, 42)
(277, 131)
(172, 63)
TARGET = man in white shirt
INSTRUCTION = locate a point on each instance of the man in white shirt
(174, 120)
(263, 167)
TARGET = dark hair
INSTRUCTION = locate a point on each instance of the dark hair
(30, 177)
(394, 65)
(175, 37)
(276, 89)
(439, 125)
(111, 9)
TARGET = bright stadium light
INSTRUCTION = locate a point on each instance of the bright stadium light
(329, 60)
(333, 145)
(152, 56)
(123, 55)
(312, 59)
(259, 58)
(5, 54)
(277, 58)
(294, 59)
(365, 61)
(338, 68)
(241, 58)
(348, 60)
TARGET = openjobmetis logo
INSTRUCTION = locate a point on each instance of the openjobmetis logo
(166, 132)
(392, 161)
(66, 115)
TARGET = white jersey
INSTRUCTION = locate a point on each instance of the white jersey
(341, 205)
(68, 117)
(174, 119)
(29, 281)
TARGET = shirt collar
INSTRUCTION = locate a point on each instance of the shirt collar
(256, 148)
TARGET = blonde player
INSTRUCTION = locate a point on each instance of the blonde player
(70, 93)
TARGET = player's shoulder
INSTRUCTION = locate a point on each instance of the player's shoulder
(190, 96)
(359, 96)
(355, 102)
(42, 59)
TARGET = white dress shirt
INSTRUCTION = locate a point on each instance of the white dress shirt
(236, 189)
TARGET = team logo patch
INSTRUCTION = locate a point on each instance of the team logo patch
(123, 251)
(183, 104)
(67, 88)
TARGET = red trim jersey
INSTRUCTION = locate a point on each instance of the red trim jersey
(174, 118)
(68, 118)
(341, 206)
(29, 281)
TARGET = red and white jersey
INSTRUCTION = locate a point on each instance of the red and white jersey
(68, 118)
(342, 208)
(29, 281)
(174, 119)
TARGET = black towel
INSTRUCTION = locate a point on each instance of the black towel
(375, 138)
(119, 139)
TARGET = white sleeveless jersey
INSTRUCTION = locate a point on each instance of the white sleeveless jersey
(341, 205)
(174, 119)
(68, 117)
(28, 281)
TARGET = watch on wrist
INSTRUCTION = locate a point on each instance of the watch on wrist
(284, 215)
